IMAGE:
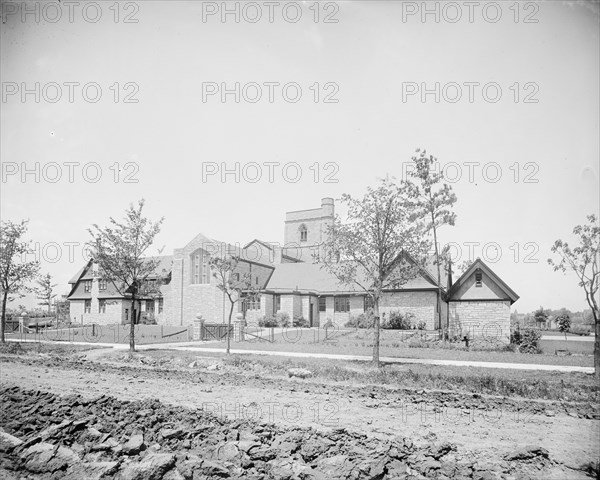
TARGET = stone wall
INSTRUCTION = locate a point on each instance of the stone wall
(480, 318)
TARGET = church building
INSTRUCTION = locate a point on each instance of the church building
(290, 279)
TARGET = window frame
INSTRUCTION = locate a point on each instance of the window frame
(303, 233)
(87, 306)
(337, 304)
(324, 305)
(102, 283)
(200, 270)
(102, 306)
(150, 303)
(87, 286)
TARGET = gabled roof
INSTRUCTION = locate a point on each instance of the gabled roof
(478, 264)
(270, 248)
(79, 273)
(312, 278)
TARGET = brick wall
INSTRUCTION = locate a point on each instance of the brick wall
(480, 318)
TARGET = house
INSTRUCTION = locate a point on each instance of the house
(94, 300)
(291, 279)
(479, 303)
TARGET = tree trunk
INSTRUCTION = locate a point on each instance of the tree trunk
(3, 322)
(229, 328)
(376, 327)
(439, 278)
(132, 326)
(597, 346)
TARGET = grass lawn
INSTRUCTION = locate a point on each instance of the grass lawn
(526, 384)
(393, 344)
(144, 334)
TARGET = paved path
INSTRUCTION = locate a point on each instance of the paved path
(561, 338)
(193, 347)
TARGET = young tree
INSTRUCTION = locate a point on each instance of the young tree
(583, 260)
(234, 285)
(541, 317)
(434, 200)
(381, 246)
(44, 291)
(119, 251)
(564, 323)
(15, 270)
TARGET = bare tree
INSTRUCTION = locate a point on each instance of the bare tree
(380, 246)
(583, 260)
(119, 250)
(15, 270)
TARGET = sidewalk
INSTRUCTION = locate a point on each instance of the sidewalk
(561, 338)
(193, 347)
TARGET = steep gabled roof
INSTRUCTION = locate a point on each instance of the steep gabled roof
(79, 273)
(270, 248)
(478, 264)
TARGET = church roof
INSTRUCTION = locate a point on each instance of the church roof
(312, 278)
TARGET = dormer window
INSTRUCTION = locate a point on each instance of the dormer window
(478, 277)
(303, 233)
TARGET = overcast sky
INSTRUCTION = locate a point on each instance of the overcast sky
(336, 95)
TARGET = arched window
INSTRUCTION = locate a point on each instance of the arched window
(303, 233)
(200, 269)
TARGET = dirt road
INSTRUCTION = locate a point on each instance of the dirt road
(488, 427)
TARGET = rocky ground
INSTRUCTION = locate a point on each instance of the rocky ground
(79, 419)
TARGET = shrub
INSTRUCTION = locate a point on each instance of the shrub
(267, 322)
(328, 323)
(581, 329)
(398, 321)
(300, 322)
(529, 340)
(363, 320)
(282, 319)
(422, 325)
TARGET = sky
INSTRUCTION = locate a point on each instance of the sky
(223, 116)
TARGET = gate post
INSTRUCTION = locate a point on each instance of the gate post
(199, 327)
(238, 328)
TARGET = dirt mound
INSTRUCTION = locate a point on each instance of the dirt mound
(73, 437)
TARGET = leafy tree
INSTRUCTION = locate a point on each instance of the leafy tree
(235, 286)
(44, 291)
(464, 266)
(381, 245)
(15, 270)
(541, 316)
(564, 323)
(583, 260)
(433, 200)
(119, 250)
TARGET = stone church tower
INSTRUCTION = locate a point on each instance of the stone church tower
(305, 231)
